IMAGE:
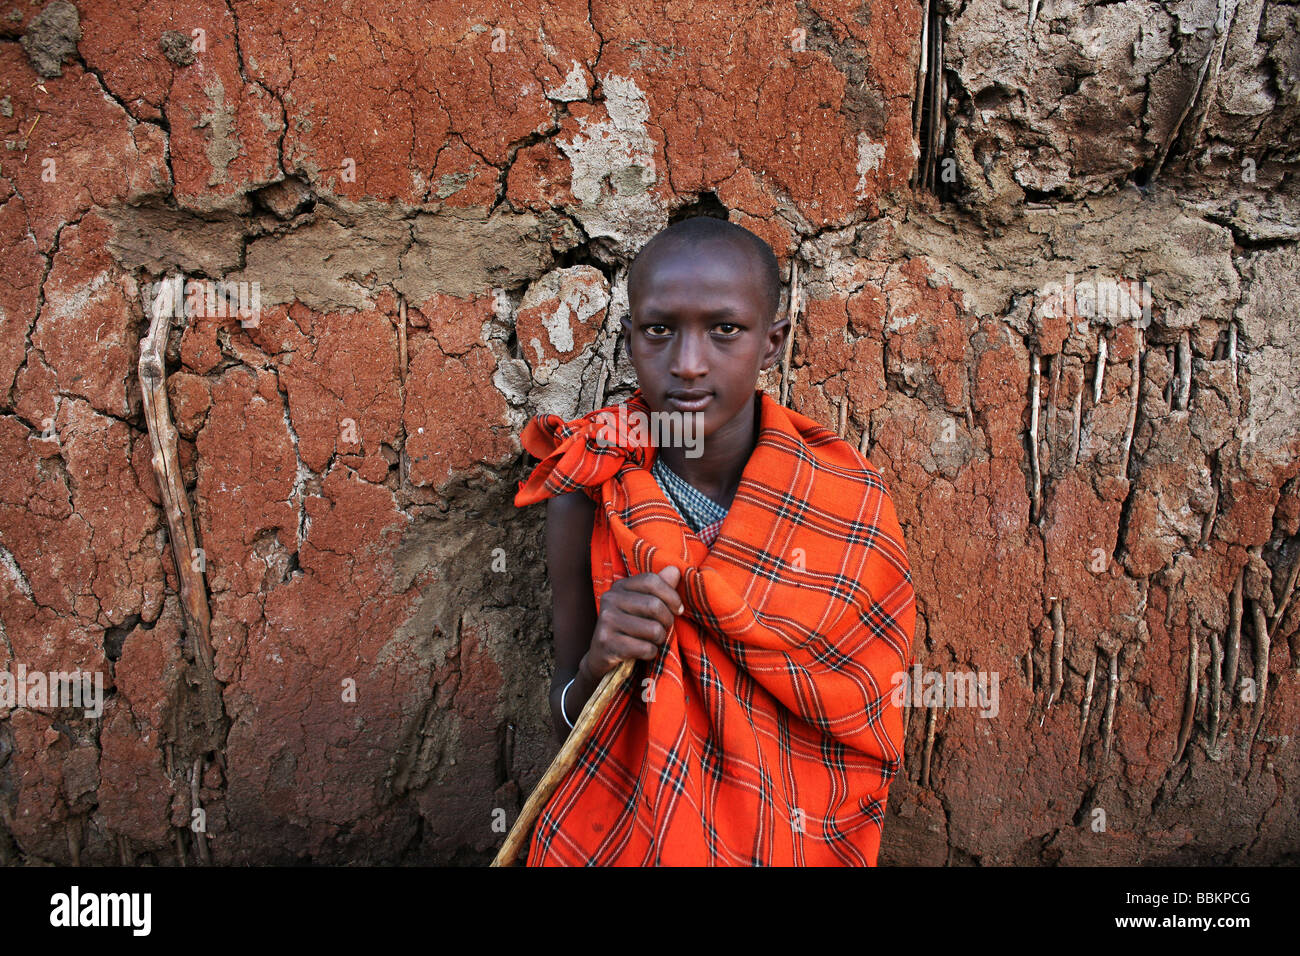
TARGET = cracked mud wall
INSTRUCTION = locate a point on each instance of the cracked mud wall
(438, 205)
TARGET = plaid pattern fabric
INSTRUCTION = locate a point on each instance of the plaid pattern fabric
(765, 732)
(701, 513)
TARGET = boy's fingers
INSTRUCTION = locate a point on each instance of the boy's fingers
(639, 626)
(672, 576)
(636, 648)
(656, 585)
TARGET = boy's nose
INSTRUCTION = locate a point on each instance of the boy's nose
(688, 359)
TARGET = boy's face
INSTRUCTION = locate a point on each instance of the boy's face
(699, 332)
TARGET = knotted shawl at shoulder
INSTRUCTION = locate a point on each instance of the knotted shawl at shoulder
(765, 732)
(578, 455)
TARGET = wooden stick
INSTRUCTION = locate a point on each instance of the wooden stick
(171, 487)
(1087, 704)
(930, 713)
(592, 711)
(1232, 350)
(1234, 637)
(793, 312)
(1135, 395)
(1216, 689)
(1108, 720)
(602, 387)
(936, 78)
(1187, 107)
(201, 837)
(401, 338)
(1184, 371)
(1261, 670)
(1101, 369)
(1211, 516)
(1035, 377)
(1286, 595)
(1222, 25)
(1058, 649)
(1189, 703)
(920, 83)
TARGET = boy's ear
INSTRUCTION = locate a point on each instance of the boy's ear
(626, 323)
(776, 335)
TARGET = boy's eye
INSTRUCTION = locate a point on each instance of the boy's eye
(656, 331)
(728, 328)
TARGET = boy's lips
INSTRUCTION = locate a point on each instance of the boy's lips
(689, 400)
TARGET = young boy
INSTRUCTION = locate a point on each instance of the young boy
(759, 580)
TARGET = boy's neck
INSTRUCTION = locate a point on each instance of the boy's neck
(724, 454)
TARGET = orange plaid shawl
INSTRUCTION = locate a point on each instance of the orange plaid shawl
(764, 733)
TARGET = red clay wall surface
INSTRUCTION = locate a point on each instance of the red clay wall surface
(437, 204)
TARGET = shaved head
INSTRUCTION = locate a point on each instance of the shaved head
(705, 230)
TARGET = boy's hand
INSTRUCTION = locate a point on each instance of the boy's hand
(636, 614)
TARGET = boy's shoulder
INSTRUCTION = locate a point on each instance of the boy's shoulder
(822, 447)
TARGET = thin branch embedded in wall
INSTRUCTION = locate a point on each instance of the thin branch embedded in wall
(1189, 702)
(793, 316)
(1087, 705)
(1036, 498)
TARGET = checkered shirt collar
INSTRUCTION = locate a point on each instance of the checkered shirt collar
(697, 509)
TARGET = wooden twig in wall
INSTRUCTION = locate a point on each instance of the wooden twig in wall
(1134, 396)
(1112, 695)
(200, 837)
(930, 715)
(602, 385)
(918, 106)
(1227, 12)
(793, 315)
(186, 554)
(1261, 670)
(1234, 637)
(1087, 704)
(1191, 100)
(401, 338)
(1058, 651)
(1184, 371)
(1216, 688)
(936, 73)
(1287, 590)
(1232, 351)
(1035, 384)
(1189, 702)
(1101, 369)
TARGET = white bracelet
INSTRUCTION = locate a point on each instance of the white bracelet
(564, 694)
